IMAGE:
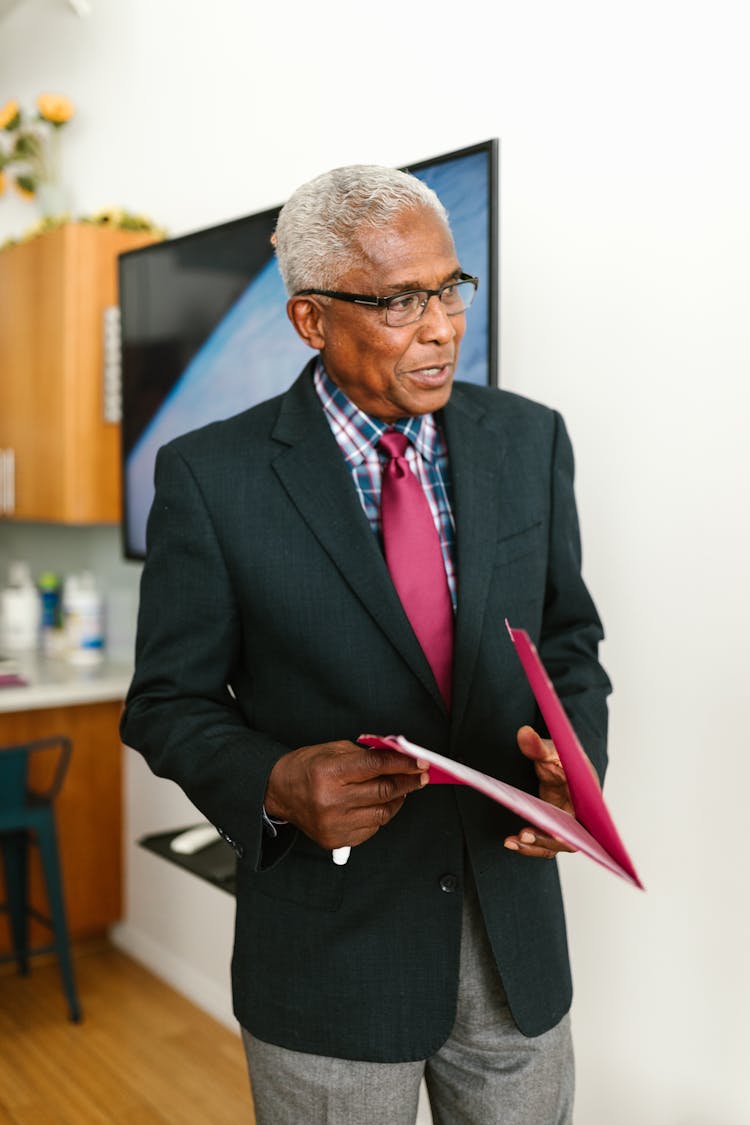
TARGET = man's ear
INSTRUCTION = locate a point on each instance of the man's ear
(307, 317)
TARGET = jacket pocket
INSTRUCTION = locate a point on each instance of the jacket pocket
(306, 876)
(514, 546)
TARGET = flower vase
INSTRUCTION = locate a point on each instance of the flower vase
(52, 199)
(51, 194)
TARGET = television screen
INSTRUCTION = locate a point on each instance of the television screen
(205, 333)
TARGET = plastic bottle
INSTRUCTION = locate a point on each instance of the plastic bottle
(83, 618)
(50, 592)
(20, 610)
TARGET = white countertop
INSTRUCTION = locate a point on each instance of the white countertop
(56, 683)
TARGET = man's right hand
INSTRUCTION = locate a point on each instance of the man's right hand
(339, 793)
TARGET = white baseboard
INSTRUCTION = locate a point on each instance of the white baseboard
(182, 976)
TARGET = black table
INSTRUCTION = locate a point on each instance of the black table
(215, 863)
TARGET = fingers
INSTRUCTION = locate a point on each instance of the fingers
(545, 757)
(340, 824)
(359, 824)
(369, 776)
(364, 806)
(536, 844)
(340, 793)
(547, 764)
(373, 762)
(535, 747)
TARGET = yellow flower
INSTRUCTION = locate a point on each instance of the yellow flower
(108, 217)
(55, 108)
(3, 183)
(26, 186)
(10, 114)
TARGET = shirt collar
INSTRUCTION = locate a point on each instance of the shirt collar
(358, 433)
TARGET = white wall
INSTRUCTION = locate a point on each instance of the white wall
(625, 267)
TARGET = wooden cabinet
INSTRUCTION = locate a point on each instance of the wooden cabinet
(60, 458)
(88, 812)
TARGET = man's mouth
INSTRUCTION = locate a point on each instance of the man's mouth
(431, 374)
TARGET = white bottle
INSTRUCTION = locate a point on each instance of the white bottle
(83, 620)
(20, 610)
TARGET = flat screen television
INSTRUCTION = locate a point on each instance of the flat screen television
(204, 330)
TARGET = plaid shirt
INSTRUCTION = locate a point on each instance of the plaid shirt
(357, 435)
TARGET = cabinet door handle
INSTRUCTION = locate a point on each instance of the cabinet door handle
(11, 457)
(9, 482)
(112, 366)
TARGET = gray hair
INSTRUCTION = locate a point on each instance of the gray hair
(316, 236)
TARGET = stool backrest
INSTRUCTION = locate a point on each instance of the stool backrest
(13, 765)
(14, 769)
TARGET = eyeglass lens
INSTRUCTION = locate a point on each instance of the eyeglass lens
(408, 307)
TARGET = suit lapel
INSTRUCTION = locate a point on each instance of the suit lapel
(491, 497)
(476, 456)
(317, 480)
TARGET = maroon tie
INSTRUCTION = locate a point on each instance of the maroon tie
(415, 560)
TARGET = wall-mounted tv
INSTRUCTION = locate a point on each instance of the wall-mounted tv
(205, 333)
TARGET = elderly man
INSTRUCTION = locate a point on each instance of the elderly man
(340, 560)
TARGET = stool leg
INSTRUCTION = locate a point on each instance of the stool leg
(15, 852)
(47, 841)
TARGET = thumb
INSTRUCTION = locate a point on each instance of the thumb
(533, 746)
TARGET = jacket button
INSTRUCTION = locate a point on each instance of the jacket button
(448, 883)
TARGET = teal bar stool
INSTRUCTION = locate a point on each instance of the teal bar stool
(27, 818)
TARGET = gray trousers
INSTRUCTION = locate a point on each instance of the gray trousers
(486, 1073)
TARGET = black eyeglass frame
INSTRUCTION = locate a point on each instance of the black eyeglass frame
(386, 302)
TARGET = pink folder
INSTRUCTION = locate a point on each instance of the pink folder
(592, 830)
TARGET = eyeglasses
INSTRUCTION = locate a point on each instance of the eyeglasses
(406, 308)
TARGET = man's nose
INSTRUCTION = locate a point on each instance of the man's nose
(435, 324)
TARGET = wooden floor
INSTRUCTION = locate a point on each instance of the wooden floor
(142, 1054)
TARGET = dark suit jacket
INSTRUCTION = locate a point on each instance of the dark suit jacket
(268, 621)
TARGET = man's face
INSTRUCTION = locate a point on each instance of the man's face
(389, 372)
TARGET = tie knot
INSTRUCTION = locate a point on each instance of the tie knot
(394, 443)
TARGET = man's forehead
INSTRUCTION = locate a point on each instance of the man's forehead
(409, 254)
(420, 281)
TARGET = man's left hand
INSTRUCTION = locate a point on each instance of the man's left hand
(553, 788)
